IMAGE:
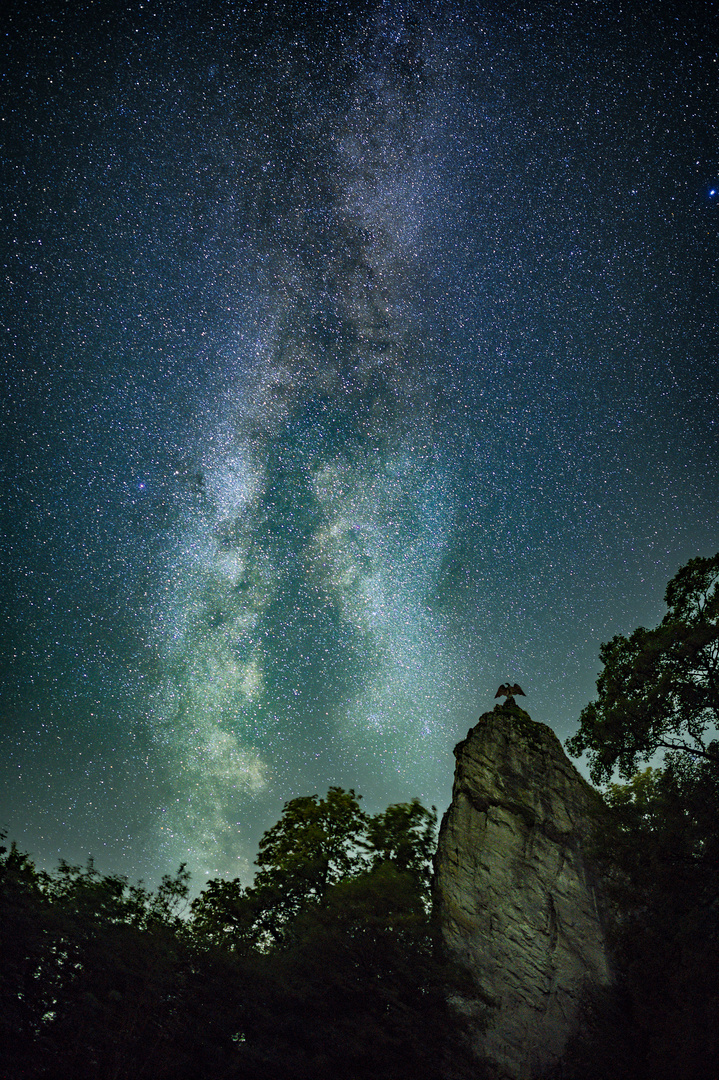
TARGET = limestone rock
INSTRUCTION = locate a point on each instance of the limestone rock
(515, 892)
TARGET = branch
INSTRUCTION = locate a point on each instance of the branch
(687, 749)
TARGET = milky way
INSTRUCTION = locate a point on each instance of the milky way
(360, 360)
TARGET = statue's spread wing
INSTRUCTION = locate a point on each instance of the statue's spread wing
(503, 690)
(517, 689)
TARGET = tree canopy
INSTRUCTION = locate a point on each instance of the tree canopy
(325, 965)
(659, 693)
(313, 846)
(317, 844)
(659, 689)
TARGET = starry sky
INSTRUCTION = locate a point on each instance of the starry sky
(358, 357)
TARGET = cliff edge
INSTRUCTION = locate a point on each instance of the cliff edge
(516, 895)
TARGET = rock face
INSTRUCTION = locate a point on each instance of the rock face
(515, 892)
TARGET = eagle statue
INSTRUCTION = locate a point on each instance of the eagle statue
(508, 691)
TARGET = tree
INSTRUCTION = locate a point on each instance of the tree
(336, 945)
(404, 835)
(24, 944)
(659, 854)
(223, 916)
(325, 965)
(659, 689)
(314, 845)
(356, 990)
(659, 692)
(93, 974)
(317, 844)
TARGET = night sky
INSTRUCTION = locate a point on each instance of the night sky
(357, 359)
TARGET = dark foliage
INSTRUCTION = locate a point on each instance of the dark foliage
(358, 992)
(326, 966)
(661, 869)
(660, 691)
(93, 971)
